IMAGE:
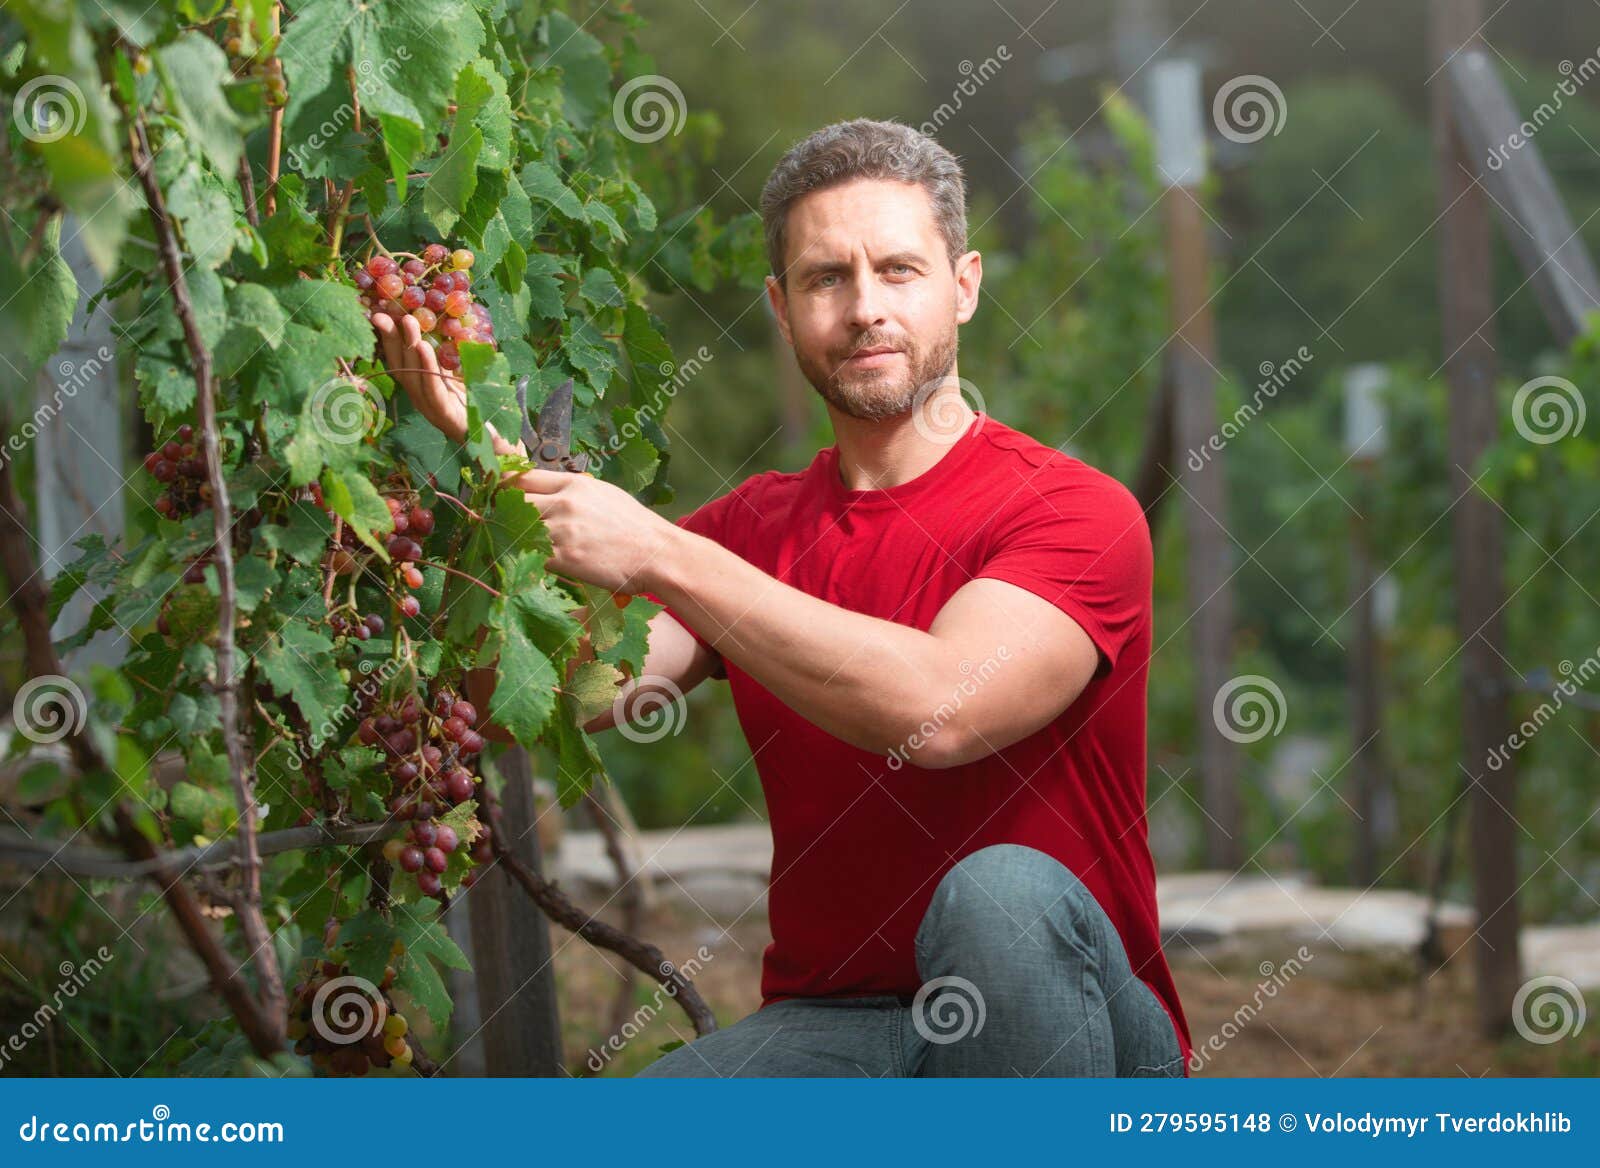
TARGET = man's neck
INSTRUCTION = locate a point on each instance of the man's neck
(876, 455)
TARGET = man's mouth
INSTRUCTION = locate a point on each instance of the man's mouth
(871, 357)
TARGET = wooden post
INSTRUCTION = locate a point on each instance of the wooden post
(79, 452)
(520, 1027)
(1535, 220)
(1467, 307)
(1365, 445)
(1180, 138)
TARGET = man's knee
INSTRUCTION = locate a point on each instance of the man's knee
(1000, 897)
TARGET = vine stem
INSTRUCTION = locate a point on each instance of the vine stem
(252, 923)
(27, 597)
(642, 955)
(275, 134)
(247, 188)
(337, 221)
(492, 591)
(471, 514)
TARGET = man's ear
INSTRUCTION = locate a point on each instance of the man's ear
(779, 301)
(969, 276)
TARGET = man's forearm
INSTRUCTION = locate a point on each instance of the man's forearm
(864, 680)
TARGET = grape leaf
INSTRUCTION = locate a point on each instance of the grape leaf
(299, 662)
(525, 681)
(577, 761)
(195, 72)
(545, 295)
(454, 178)
(585, 73)
(593, 686)
(545, 188)
(630, 647)
(357, 501)
(404, 59)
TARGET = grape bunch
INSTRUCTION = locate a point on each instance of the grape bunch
(431, 759)
(434, 288)
(346, 1024)
(258, 62)
(409, 523)
(177, 465)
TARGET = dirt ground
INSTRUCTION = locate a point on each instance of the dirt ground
(1315, 1026)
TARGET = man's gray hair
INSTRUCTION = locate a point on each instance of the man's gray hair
(866, 149)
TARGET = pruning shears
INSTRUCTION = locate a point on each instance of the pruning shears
(549, 437)
(549, 440)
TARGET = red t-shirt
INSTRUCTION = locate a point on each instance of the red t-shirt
(860, 841)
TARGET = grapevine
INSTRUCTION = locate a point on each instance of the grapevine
(316, 570)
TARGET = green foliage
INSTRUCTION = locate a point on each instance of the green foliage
(483, 123)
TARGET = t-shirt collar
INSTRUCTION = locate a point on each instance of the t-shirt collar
(937, 475)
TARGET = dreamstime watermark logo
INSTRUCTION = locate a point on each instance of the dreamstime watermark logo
(649, 715)
(1500, 154)
(1566, 688)
(73, 979)
(1275, 977)
(598, 1058)
(374, 679)
(341, 411)
(155, 1130)
(73, 377)
(677, 376)
(1548, 409)
(937, 413)
(972, 679)
(975, 78)
(1548, 1009)
(49, 108)
(367, 77)
(957, 1012)
(344, 1008)
(1248, 108)
(48, 708)
(1249, 708)
(1273, 378)
(648, 108)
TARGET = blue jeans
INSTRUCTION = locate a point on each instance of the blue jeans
(1023, 974)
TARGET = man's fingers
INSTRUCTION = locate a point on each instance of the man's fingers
(544, 482)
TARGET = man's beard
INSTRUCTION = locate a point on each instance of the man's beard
(875, 394)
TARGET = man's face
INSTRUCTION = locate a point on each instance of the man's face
(871, 305)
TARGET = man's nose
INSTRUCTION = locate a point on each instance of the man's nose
(866, 304)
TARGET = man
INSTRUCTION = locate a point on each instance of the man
(937, 637)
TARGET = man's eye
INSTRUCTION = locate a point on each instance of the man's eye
(901, 267)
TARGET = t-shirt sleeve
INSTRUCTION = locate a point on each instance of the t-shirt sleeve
(707, 520)
(1080, 541)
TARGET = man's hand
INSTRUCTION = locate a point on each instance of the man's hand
(439, 396)
(600, 534)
